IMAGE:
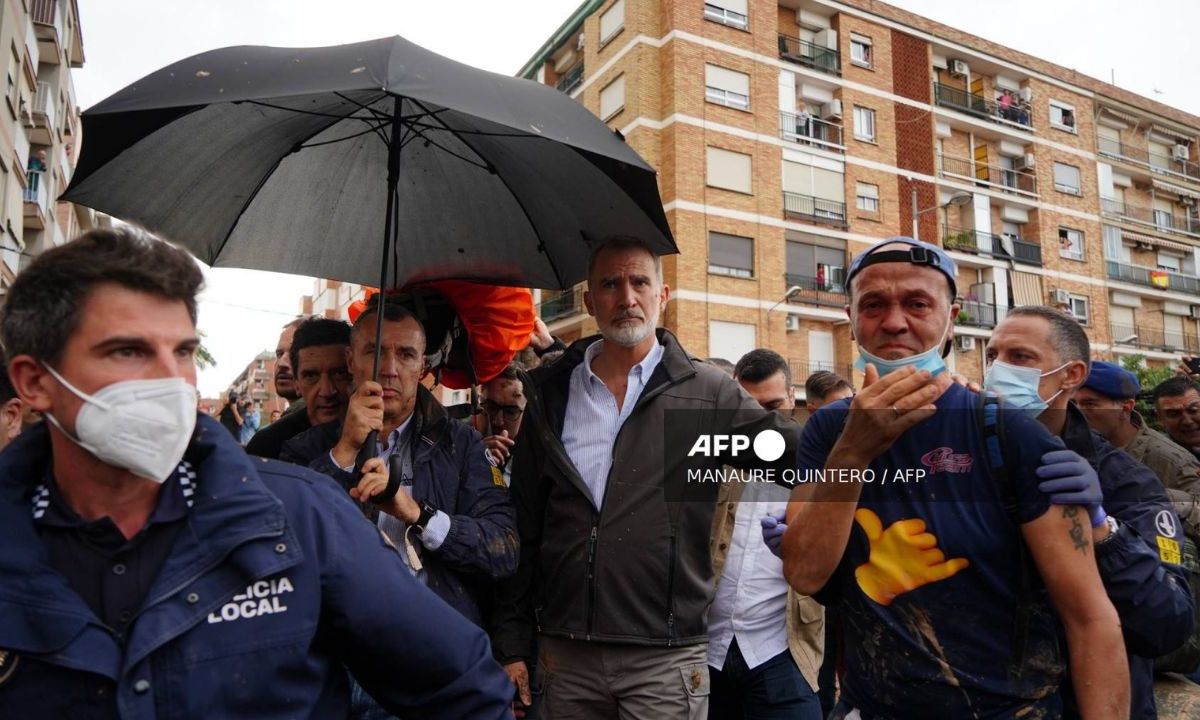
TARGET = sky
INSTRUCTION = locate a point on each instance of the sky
(1149, 50)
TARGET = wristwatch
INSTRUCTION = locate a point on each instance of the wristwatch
(427, 513)
(1113, 526)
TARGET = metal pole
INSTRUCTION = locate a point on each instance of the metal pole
(915, 231)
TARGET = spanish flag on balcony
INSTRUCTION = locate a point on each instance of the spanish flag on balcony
(1160, 279)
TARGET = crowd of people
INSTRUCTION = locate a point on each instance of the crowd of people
(1021, 548)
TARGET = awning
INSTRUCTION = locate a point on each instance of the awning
(1155, 242)
(1026, 288)
(1172, 188)
(1121, 116)
(1170, 132)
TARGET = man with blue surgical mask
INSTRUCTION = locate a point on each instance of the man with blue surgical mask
(946, 567)
(1038, 358)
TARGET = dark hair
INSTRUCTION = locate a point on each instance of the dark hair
(1066, 334)
(1174, 387)
(822, 383)
(511, 371)
(392, 312)
(758, 365)
(7, 391)
(721, 364)
(43, 307)
(316, 332)
(623, 242)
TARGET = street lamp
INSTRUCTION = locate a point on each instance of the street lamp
(958, 199)
(1128, 339)
(786, 296)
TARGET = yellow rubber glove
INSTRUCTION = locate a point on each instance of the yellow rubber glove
(904, 557)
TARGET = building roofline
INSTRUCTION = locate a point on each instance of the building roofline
(1035, 64)
(564, 31)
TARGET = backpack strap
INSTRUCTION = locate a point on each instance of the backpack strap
(995, 441)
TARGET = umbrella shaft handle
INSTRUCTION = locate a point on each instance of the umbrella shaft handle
(365, 453)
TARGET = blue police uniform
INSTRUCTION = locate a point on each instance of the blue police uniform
(275, 584)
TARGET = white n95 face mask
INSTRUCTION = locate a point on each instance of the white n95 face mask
(143, 426)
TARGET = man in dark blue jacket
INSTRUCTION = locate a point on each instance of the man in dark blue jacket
(452, 518)
(1135, 532)
(151, 568)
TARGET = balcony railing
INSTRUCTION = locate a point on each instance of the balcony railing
(985, 243)
(829, 290)
(572, 80)
(43, 103)
(976, 314)
(801, 369)
(725, 17)
(1172, 222)
(1153, 161)
(810, 55)
(829, 212)
(558, 305)
(808, 130)
(1155, 339)
(1017, 182)
(1153, 277)
(36, 191)
(1016, 115)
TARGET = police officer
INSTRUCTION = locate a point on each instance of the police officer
(151, 567)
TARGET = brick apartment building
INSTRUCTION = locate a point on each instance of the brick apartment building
(39, 130)
(788, 135)
(256, 382)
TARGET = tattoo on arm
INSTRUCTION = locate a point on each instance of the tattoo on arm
(1071, 512)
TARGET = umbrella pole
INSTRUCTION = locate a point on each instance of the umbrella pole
(371, 444)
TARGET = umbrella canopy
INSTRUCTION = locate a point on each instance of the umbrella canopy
(279, 159)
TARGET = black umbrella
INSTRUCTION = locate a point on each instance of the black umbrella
(294, 160)
(287, 159)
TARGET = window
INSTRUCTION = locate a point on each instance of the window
(1172, 331)
(1170, 262)
(864, 123)
(860, 50)
(867, 197)
(612, 98)
(727, 12)
(1164, 214)
(726, 87)
(1123, 324)
(729, 170)
(1078, 307)
(1160, 154)
(1070, 243)
(816, 189)
(1062, 116)
(1108, 139)
(612, 21)
(730, 255)
(1011, 230)
(816, 267)
(1066, 178)
(730, 340)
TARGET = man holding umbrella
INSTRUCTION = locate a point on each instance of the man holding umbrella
(150, 563)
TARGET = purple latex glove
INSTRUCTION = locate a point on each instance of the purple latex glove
(773, 528)
(1070, 480)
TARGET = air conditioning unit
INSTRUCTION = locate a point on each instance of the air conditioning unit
(579, 45)
(1025, 162)
(1187, 200)
(833, 109)
(966, 343)
(1180, 152)
(958, 67)
(792, 323)
(1027, 94)
(1060, 297)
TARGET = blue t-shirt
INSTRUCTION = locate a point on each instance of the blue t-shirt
(929, 613)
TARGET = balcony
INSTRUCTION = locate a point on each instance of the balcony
(560, 305)
(35, 201)
(801, 369)
(1153, 278)
(1185, 223)
(976, 314)
(1015, 116)
(42, 132)
(991, 245)
(570, 82)
(814, 209)
(826, 290)
(1015, 182)
(1155, 339)
(811, 131)
(1155, 163)
(725, 17)
(47, 23)
(802, 52)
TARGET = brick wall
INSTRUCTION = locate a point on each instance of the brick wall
(913, 130)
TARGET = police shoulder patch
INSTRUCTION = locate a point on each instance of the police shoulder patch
(497, 477)
(8, 665)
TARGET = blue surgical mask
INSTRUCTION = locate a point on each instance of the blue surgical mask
(1018, 386)
(930, 360)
